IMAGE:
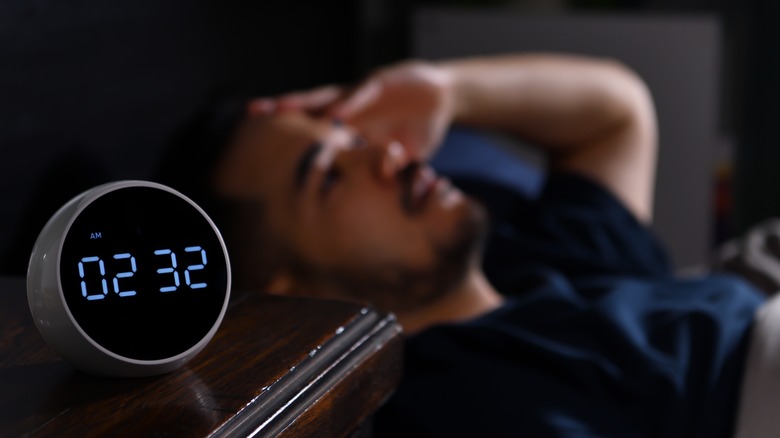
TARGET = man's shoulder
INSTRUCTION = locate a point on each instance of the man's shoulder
(563, 354)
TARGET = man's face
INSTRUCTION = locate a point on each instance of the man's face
(359, 219)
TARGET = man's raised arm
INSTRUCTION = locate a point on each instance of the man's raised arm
(594, 117)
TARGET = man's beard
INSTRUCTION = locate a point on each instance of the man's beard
(399, 287)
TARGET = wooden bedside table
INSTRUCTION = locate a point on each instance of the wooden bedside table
(276, 366)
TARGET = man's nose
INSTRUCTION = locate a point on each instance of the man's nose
(393, 158)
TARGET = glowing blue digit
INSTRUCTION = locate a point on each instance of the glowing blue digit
(195, 267)
(170, 270)
(126, 293)
(102, 267)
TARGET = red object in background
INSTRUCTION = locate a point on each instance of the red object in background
(723, 203)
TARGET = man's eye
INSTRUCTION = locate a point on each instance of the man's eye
(359, 142)
(330, 178)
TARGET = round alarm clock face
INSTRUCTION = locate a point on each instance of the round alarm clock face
(141, 279)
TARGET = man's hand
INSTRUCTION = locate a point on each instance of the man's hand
(411, 102)
(591, 116)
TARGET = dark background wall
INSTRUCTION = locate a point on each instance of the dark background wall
(91, 91)
(758, 152)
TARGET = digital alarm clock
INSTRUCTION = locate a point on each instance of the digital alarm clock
(130, 278)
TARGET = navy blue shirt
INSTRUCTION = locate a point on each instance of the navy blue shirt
(597, 338)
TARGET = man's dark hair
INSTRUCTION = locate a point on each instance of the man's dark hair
(189, 161)
(188, 165)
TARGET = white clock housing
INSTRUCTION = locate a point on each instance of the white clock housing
(128, 279)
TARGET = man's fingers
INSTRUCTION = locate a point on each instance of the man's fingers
(261, 106)
(360, 99)
(330, 99)
(311, 100)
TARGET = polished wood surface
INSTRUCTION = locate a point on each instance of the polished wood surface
(277, 366)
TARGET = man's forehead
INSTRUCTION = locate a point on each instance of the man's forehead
(288, 143)
(286, 130)
(265, 150)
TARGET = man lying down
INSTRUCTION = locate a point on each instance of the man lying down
(551, 315)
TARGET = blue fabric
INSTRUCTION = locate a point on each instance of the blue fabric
(468, 154)
(596, 339)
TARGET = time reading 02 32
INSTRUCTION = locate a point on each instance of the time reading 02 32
(129, 279)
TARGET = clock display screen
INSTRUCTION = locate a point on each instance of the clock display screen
(143, 273)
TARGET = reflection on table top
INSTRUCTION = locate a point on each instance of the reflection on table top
(276, 365)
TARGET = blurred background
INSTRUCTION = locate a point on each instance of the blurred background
(91, 91)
